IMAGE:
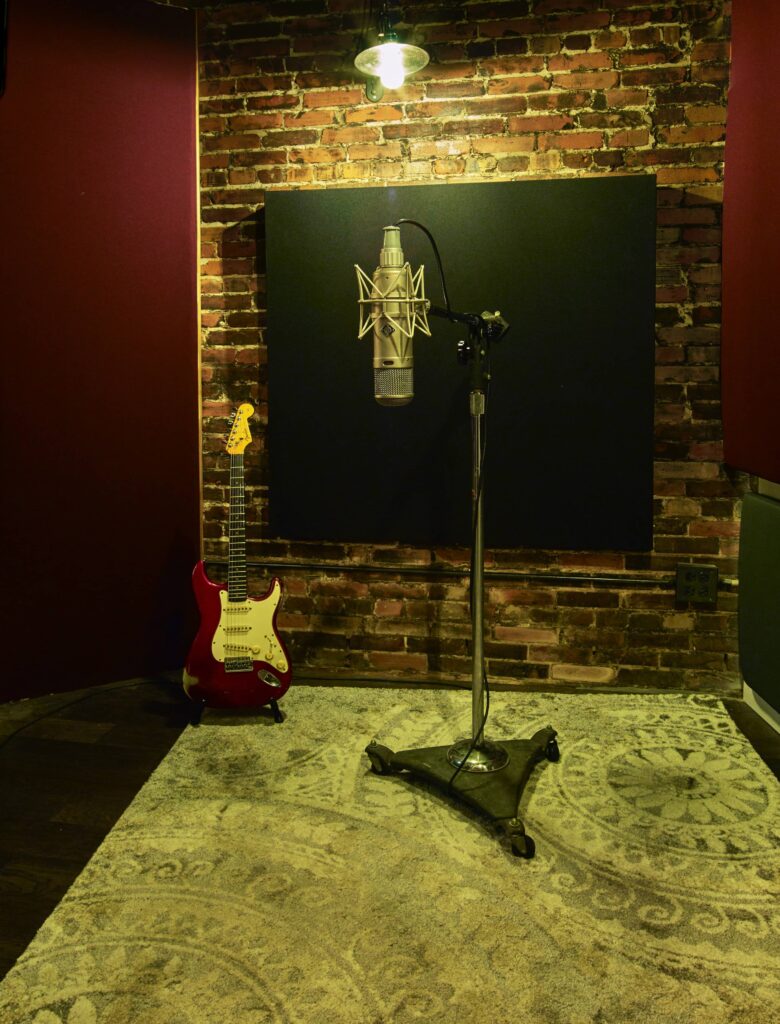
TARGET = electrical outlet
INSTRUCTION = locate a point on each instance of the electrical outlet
(697, 583)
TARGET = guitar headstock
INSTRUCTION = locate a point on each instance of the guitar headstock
(239, 436)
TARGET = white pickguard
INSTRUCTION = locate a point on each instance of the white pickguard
(246, 630)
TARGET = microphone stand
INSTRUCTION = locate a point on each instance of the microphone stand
(485, 775)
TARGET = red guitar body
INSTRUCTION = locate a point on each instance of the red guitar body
(237, 659)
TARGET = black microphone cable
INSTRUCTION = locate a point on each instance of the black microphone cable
(432, 240)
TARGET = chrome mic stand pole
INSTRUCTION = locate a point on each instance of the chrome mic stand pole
(477, 754)
(477, 410)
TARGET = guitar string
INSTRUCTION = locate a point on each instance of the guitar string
(236, 547)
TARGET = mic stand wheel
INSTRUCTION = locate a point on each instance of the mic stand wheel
(489, 777)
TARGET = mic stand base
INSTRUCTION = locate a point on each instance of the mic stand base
(495, 793)
(485, 757)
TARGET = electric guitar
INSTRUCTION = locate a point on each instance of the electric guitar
(237, 658)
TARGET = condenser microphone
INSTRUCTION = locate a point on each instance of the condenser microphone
(393, 352)
(392, 306)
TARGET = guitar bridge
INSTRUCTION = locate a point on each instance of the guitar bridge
(238, 664)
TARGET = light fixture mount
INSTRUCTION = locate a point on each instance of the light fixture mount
(374, 90)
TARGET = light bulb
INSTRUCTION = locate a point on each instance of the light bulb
(391, 66)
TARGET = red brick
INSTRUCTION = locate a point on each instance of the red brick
(514, 66)
(473, 127)
(255, 121)
(544, 44)
(579, 62)
(564, 22)
(610, 39)
(496, 105)
(346, 135)
(372, 151)
(571, 140)
(706, 113)
(684, 175)
(653, 76)
(540, 123)
(644, 58)
(567, 103)
(626, 97)
(712, 528)
(230, 143)
(517, 84)
(715, 73)
(687, 134)
(308, 118)
(445, 90)
(316, 155)
(513, 164)
(333, 98)
(506, 26)
(361, 115)
(504, 144)
(439, 148)
(706, 51)
(586, 80)
(629, 137)
(398, 661)
(584, 673)
(289, 137)
(525, 634)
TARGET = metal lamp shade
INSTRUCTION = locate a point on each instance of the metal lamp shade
(391, 58)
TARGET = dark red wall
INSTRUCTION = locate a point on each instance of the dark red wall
(751, 245)
(98, 313)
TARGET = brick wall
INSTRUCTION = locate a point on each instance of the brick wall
(514, 89)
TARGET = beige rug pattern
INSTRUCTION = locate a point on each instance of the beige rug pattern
(264, 875)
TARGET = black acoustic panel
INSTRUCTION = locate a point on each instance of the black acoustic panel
(570, 264)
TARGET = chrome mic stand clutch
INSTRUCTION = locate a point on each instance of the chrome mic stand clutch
(488, 776)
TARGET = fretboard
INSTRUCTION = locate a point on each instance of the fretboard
(237, 532)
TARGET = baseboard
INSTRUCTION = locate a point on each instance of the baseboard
(759, 705)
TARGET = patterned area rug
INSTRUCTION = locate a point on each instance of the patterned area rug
(265, 874)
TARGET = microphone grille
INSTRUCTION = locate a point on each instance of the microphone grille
(393, 385)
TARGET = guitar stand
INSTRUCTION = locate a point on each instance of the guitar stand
(199, 706)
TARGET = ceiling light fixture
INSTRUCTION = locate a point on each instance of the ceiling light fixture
(390, 60)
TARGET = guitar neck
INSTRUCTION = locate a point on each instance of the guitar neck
(237, 532)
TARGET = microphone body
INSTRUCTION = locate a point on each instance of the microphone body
(393, 354)
(392, 306)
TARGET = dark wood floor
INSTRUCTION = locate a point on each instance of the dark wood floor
(69, 766)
